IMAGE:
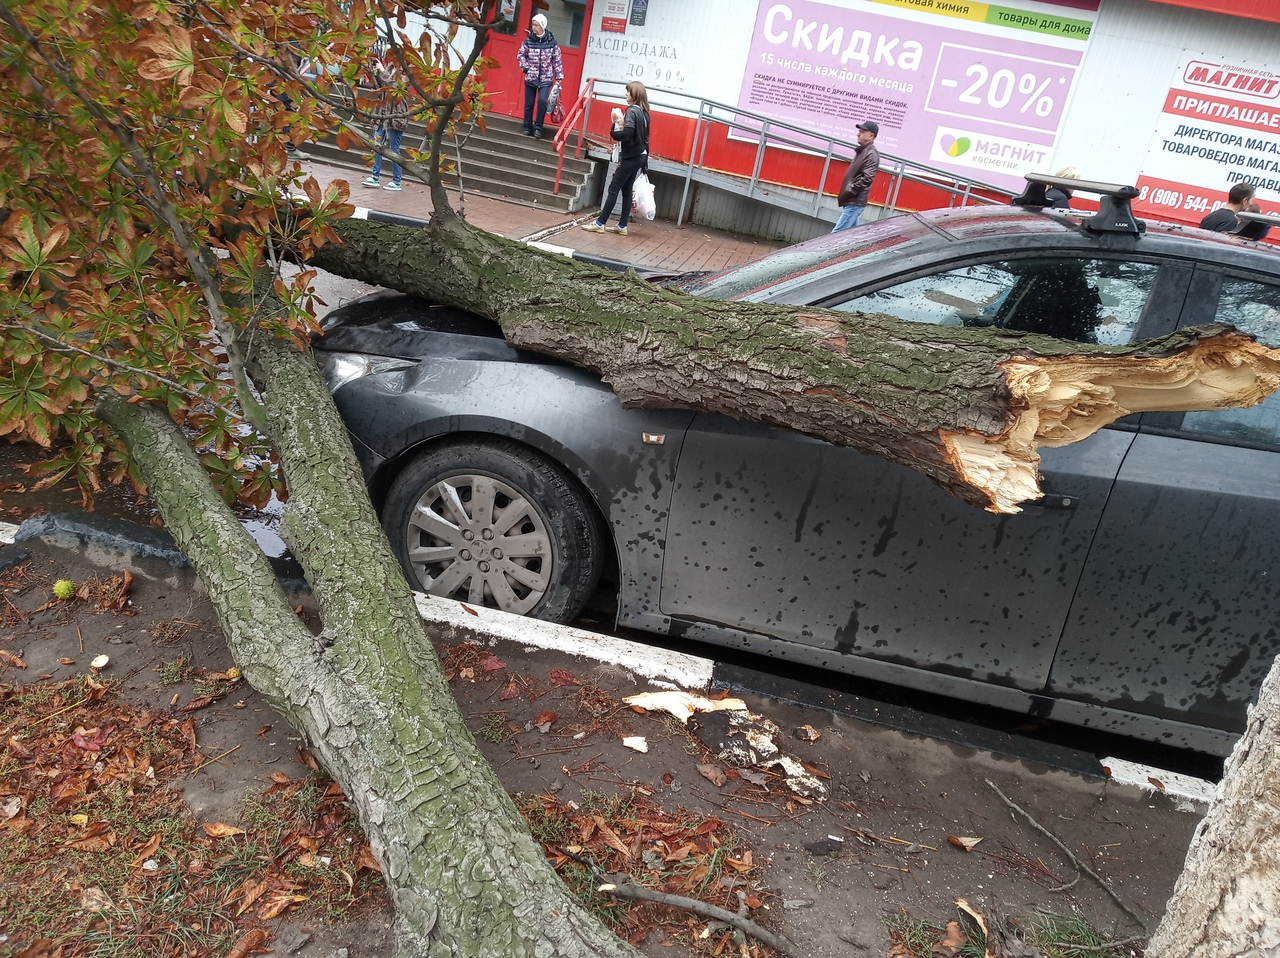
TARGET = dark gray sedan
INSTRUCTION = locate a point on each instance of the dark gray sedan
(1140, 595)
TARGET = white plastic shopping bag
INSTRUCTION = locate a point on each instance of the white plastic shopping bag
(642, 197)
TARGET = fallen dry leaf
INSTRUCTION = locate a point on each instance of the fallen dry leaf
(467, 608)
(199, 703)
(510, 690)
(278, 904)
(95, 899)
(713, 774)
(8, 658)
(807, 733)
(250, 942)
(545, 718)
(248, 893)
(491, 663)
(611, 837)
(221, 830)
(1156, 782)
(367, 861)
(951, 944)
(963, 841)
(146, 851)
(561, 677)
(66, 661)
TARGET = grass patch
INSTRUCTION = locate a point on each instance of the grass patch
(1055, 936)
(175, 672)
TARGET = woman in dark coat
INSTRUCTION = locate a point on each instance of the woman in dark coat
(542, 65)
(632, 133)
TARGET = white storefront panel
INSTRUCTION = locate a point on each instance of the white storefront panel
(1126, 107)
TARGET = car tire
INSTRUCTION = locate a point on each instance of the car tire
(496, 524)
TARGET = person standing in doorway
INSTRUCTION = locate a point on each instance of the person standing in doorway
(631, 130)
(542, 65)
(392, 118)
(856, 186)
(1224, 219)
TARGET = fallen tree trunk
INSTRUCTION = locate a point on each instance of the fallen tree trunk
(465, 877)
(968, 408)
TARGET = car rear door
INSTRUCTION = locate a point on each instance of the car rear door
(1178, 611)
(780, 535)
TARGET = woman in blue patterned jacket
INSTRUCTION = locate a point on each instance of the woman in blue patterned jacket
(540, 61)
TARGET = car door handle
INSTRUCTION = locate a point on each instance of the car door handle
(1056, 500)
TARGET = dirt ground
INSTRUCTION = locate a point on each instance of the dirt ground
(875, 835)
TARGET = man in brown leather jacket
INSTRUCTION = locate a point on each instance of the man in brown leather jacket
(859, 177)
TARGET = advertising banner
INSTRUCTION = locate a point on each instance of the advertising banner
(975, 88)
(1220, 125)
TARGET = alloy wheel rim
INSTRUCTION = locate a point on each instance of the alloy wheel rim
(478, 539)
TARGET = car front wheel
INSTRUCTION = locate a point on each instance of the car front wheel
(495, 524)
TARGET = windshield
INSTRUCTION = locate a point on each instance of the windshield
(772, 276)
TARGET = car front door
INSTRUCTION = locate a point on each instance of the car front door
(1178, 612)
(776, 534)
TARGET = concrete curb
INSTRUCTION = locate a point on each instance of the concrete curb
(106, 542)
(393, 219)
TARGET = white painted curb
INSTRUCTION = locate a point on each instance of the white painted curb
(457, 621)
(1180, 786)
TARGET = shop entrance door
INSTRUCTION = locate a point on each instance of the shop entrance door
(568, 21)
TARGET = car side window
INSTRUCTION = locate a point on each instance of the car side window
(1086, 300)
(1252, 308)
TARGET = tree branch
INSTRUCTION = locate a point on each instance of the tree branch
(1067, 851)
(706, 910)
(59, 346)
(163, 209)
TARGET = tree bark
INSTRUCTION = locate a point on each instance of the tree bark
(1226, 903)
(968, 408)
(466, 878)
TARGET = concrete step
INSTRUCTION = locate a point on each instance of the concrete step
(498, 161)
(521, 151)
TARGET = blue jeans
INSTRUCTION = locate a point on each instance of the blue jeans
(392, 138)
(848, 218)
(535, 94)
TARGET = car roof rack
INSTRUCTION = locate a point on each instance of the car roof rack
(1271, 219)
(1114, 213)
(1255, 226)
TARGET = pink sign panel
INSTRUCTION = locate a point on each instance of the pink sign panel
(982, 104)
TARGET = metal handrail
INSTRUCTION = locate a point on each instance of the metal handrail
(580, 108)
(769, 132)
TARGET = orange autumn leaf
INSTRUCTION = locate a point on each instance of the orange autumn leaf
(611, 837)
(366, 860)
(249, 943)
(277, 904)
(248, 893)
(221, 830)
